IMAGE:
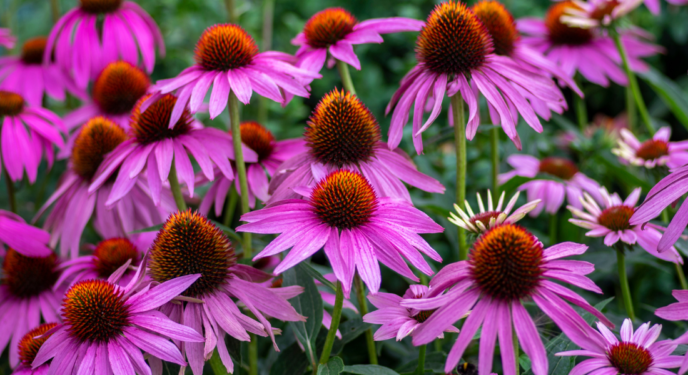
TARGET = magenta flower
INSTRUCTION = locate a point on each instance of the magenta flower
(83, 46)
(343, 133)
(24, 238)
(105, 327)
(335, 31)
(7, 40)
(637, 352)
(190, 243)
(657, 151)
(73, 205)
(373, 229)
(29, 346)
(271, 154)
(674, 312)
(569, 183)
(29, 76)
(493, 216)
(228, 58)
(398, 321)
(26, 296)
(154, 146)
(653, 5)
(597, 13)
(28, 132)
(506, 266)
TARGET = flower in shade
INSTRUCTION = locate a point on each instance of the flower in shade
(26, 239)
(343, 133)
(189, 243)
(493, 216)
(7, 40)
(73, 205)
(228, 59)
(636, 353)
(455, 54)
(335, 31)
(271, 154)
(657, 151)
(597, 13)
(588, 52)
(26, 296)
(153, 147)
(105, 327)
(98, 32)
(611, 221)
(564, 181)
(506, 266)
(357, 228)
(29, 346)
(654, 7)
(674, 312)
(398, 321)
(29, 76)
(28, 132)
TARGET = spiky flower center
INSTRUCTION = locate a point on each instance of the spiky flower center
(32, 50)
(453, 41)
(652, 149)
(31, 343)
(341, 130)
(28, 277)
(153, 124)
(224, 47)
(485, 217)
(423, 315)
(118, 87)
(11, 104)
(344, 200)
(328, 26)
(499, 23)
(616, 218)
(112, 254)
(189, 244)
(604, 9)
(561, 33)
(258, 138)
(558, 167)
(629, 358)
(100, 6)
(506, 262)
(95, 311)
(96, 139)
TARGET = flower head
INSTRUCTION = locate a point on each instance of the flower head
(28, 348)
(487, 219)
(597, 13)
(657, 151)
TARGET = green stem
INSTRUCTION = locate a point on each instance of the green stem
(631, 113)
(553, 228)
(681, 276)
(346, 77)
(253, 355)
(231, 11)
(494, 144)
(231, 206)
(581, 110)
(517, 351)
(633, 84)
(460, 145)
(363, 306)
(623, 280)
(216, 363)
(55, 10)
(240, 165)
(176, 189)
(420, 370)
(332, 333)
(10, 191)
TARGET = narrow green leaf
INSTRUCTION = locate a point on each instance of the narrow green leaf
(369, 370)
(154, 228)
(309, 304)
(334, 366)
(307, 268)
(671, 94)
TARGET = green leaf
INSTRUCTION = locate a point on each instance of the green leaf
(291, 361)
(591, 319)
(154, 228)
(228, 231)
(334, 366)
(350, 329)
(671, 94)
(307, 268)
(622, 173)
(434, 362)
(369, 370)
(309, 304)
(510, 186)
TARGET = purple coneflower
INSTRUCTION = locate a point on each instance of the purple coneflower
(7, 40)
(28, 132)
(74, 205)
(357, 228)
(335, 31)
(506, 266)
(657, 151)
(654, 7)
(189, 243)
(343, 133)
(674, 312)
(29, 240)
(29, 346)
(570, 182)
(493, 216)
(98, 32)
(597, 13)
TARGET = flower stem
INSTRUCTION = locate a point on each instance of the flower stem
(363, 306)
(216, 363)
(253, 355)
(581, 110)
(494, 144)
(681, 276)
(517, 351)
(553, 226)
(623, 280)
(231, 206)
(55, 10)
(346, 77)
(240, 165)
(460, 145)
(631, 113)
(176, 189)
(420, 370)
(633, 84)
(231, 11)
(332, 333)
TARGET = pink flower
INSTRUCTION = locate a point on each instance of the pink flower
(73, 205)
(674, 312)
(228, 58)
(637, 352)
(24, 238)
(567, 182)
(271, 154)
(493, 284)
(657, 151)
(597, 13)
(23, 150)
(493, 216)
(654, 7)
(612, 223)
(373, 229)
(29, 346)
(335, 31)
(190, 243)
(398, 321)
(83, 46)
(343, 133)
(7, 40)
